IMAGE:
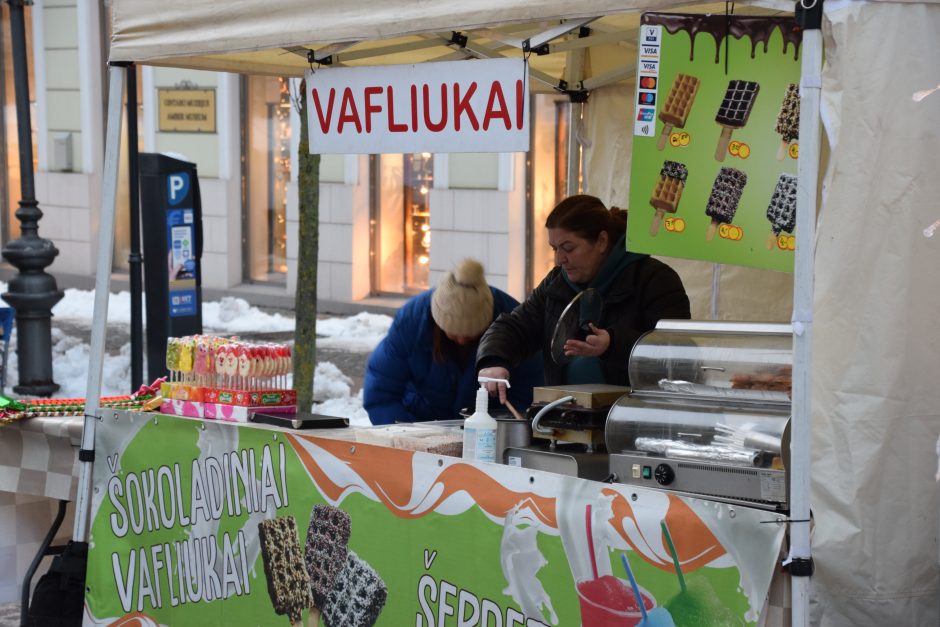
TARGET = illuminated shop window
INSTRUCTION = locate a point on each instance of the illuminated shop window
(419, 177)
(266, 176)
(9, 157)
(401, 236)
(120, 261)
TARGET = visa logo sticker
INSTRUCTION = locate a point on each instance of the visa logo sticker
(650, 51)
(649, 66)
(645, 114)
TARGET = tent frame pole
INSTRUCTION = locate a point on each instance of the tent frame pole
(800, 559)
(574, 74)
(135, 259)
(102, 291)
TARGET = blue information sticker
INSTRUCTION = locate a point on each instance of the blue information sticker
(181, 262)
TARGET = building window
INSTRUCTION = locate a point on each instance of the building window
(266, 152)
(120, 256)
(401, 237)
(9, 155)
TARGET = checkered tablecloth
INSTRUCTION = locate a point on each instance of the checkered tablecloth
(39, 456)
(38, 466)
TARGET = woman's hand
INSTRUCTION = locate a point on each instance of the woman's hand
(593, 345)
(496, 389)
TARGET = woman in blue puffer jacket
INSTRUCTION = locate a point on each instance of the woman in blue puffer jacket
(424, 369)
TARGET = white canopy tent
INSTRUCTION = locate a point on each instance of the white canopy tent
(875, 400)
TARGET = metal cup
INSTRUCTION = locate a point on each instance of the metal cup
(511, 433)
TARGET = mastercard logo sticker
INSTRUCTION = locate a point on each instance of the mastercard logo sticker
(648, 82)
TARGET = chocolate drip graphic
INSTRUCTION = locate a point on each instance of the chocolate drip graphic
(757, 28)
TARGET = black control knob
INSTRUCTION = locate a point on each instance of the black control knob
(664, 474)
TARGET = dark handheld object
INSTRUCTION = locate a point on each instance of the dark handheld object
(299, 420)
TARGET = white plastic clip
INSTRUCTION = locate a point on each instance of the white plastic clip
(810, 81)
(799, 321)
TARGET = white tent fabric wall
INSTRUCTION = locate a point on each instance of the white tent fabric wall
(608, 142)
(876, 398)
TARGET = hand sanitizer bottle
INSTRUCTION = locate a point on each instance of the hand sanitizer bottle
(479, 431)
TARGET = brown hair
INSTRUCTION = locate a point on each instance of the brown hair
(586, 216)
(444, 349)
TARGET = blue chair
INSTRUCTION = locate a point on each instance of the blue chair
(7, 314)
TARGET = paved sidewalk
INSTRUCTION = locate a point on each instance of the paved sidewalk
(9, 614)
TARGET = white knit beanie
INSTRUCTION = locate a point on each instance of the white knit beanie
(462, 304)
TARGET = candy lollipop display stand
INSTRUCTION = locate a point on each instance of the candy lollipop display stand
(220, 379)
(725, 109)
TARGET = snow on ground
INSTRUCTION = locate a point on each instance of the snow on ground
(333, 388)
(79, 305)
(70, 357)
(360, 333)
(228, 316)
(235, 315)
(345, 407)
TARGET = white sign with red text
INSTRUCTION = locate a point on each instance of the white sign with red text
(455, 106)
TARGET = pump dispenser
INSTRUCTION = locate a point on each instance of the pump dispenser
(479, 430)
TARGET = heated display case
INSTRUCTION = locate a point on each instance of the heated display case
(709, 412)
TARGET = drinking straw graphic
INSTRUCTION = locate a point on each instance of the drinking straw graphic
(590, 539)
(672, 551)
(633, 584)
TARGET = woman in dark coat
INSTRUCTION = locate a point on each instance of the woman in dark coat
(424, 367)
(588, 241)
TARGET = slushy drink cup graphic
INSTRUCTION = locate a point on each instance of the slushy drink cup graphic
(608, 601)
(699, 604)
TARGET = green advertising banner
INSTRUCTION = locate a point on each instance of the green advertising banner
(204, 523)
(716, 137)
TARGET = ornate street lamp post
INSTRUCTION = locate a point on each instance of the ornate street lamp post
(32, 292)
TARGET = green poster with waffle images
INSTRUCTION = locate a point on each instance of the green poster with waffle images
(716, 139)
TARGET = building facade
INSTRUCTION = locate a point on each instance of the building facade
(390, 225)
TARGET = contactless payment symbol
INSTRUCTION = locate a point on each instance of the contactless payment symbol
(177, 187)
